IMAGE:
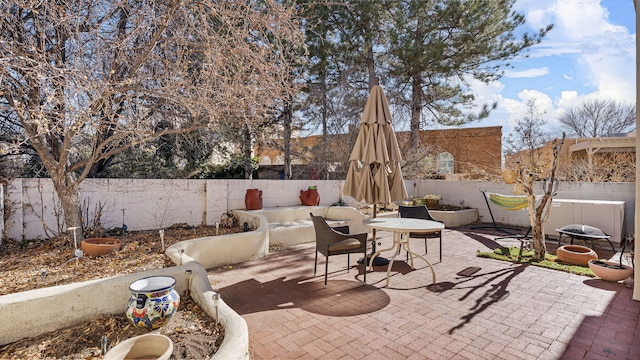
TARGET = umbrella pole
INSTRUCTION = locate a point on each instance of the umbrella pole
(378, 261)
(375, 208)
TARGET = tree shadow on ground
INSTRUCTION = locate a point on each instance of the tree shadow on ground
(493, 285)
(484, 240)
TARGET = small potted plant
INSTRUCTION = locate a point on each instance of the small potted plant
(433, 201)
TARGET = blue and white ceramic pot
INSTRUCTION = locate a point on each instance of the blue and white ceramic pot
(153, 301)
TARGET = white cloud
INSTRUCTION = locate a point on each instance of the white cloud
(529, 73)
(544, 104)
(604, 52)
(485, 92)
(599, 54)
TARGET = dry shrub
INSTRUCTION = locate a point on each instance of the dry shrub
(605, 167)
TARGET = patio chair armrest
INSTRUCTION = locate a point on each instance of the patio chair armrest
(338, 236)
(362, 238)
(342, 229)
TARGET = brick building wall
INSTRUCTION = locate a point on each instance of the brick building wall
(475, 150)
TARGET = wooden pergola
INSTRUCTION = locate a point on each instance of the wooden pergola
(593, 145)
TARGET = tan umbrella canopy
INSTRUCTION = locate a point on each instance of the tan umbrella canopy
(374, 174)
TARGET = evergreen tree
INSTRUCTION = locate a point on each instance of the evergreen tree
(436, 46)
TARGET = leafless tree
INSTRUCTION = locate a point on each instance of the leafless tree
(529, 135)
(524, 148)
(86, 80)
(599, 117)
(539, 205)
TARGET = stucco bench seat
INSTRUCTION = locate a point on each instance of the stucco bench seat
(292, 225)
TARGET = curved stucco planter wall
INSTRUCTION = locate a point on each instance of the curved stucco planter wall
(79, 302)
(214, 251)
(35, 312)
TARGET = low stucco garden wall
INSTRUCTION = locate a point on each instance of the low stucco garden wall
(215, 251)
(152, 204)
(31, 313)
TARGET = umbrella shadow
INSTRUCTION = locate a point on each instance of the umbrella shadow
(399, 267)
(493, 287)
(338, 298)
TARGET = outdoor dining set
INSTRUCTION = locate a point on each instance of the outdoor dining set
(414, 222)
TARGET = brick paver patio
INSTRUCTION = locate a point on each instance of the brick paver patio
(478, 309)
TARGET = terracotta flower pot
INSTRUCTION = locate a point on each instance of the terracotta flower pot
(610, 270)
(310, 197)
(576, 254)
(99, 246)
(253, 199)
(148, 346)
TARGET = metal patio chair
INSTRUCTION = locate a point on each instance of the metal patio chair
(421, 212)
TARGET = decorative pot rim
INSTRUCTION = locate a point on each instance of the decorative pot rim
(163, 286)
(597, 262)
(102, 241)
(123, 348)
(577, 249)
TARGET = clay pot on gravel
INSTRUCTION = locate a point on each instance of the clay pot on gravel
(610, 270)
(99, 246)
(576, 254)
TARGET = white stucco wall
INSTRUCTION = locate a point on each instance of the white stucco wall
(156, 204)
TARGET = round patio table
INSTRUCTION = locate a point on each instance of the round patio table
(401, 228)
(583, 232)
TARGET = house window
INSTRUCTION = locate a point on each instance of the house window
(265, 160)
(444, 163)
(278, 160)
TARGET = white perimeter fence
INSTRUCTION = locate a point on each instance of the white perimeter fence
(32, 211)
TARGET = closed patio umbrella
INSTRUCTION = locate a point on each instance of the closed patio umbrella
(374, 174)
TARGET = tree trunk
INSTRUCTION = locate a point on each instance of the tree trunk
(416, 110)
(248, 171)
(69, 195)
(371, 68)
(287, 140)
(537, 236)
(325, 131)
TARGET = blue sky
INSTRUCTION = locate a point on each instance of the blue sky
(589, 53)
